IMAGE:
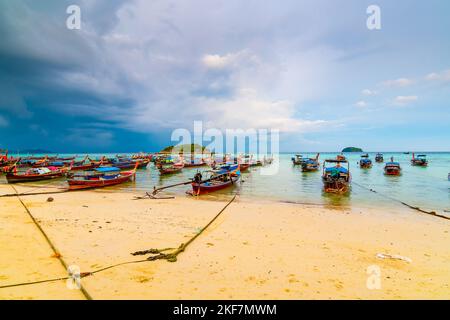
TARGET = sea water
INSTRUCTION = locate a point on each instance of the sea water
(424, 187)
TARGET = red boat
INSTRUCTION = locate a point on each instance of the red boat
(85, 167)
(220, 179)
(420, 160)
(101, 177)
(392, 168)
(35, 174)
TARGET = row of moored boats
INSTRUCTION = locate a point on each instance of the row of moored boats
(336, 175)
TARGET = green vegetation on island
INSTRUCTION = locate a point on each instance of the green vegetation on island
(185, 148)
(352, 149)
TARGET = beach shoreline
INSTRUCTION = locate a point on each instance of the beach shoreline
(254, 250)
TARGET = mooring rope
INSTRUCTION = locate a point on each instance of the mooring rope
(432, 213)
(52, 246)
(31, 194)
(171, 257)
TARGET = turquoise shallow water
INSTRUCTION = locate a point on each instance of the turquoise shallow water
(427, 188)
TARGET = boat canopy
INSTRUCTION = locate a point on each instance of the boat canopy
(43, 170)
(107, 169)
(226, 169)
(336, 161)
(392, 164)
(57, 163)
(337, 170)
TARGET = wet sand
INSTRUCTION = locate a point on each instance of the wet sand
(254, 250)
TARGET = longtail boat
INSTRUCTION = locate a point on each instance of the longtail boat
(125, 164)
(311, 164)
(379, 157)
(83, 166)
(420, 160)
(171, 168)
(101, 177)
(336, 178)
(365, 162)
(297, 160)
(222, 178)
(392, 168)
(35, 174)
(194, 164)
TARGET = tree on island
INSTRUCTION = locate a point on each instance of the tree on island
(352, 149)
(193, 148)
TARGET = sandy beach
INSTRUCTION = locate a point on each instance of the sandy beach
(254, 250)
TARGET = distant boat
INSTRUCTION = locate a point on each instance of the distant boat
(392, 168)
(420, 160)
(297, 160)
(379, 157)
(311, 164)
(406, 152)
(365, 162)
(336, 179)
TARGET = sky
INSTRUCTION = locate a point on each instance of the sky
(139, 69)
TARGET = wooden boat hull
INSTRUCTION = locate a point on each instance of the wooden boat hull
(310, 169)
(85, 167)
(244, 167)
(170, 170)
(336, 186)
(199, 189)
(131, 165)
(17, 178)
(100, 183)
(390, 172)
(195, 165)
(419, 163)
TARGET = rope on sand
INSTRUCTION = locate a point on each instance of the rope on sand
(172, 257)
(159, 255)
(432, 213)
(31, 193)
(52, 246)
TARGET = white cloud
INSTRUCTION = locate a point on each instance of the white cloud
(215, 61)
(247, 110)
(401, 82)
(368, 92)
(439, 76)
(404, 100)
(361, 104)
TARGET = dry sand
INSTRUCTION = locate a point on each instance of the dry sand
(252, 251)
